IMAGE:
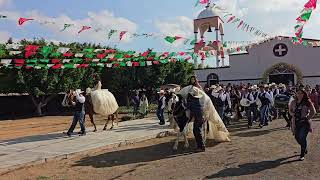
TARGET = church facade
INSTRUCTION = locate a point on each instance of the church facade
(277, 60)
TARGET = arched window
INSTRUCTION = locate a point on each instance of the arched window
(212, 79)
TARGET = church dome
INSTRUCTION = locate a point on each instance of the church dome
(208, 12)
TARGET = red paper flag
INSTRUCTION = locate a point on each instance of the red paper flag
(101, 56)
(84, 28)
(23, 20)
(32, 48)
(231, 18)
(57, 66)
(204, 2)
(241, 22)
(299, 19)
(122, 33)
(55, 61)
(68, 54)
(178, 37)
(311, 4)
(145, 54)
(19, 61)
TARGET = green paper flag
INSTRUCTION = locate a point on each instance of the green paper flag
(29, 61)
(46, 61)
(170, 39)
(66, 26)
(46, 50)
(225, 44)
(186, 41)
(88, 50)
(56, 54)
(306, 16)
(2, 52)
(111, 32)
(197, 3)
(193, 42)
(90, 55)
(142, 63)
(69, 66)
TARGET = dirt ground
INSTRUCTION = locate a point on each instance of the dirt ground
(12, 129)
(268, 153)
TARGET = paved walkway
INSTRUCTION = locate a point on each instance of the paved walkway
(20, 152)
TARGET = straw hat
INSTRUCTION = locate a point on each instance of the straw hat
(213, 87)
(161, 92)
(196, 93)
(217, 89)
(88, 90)
(79, 91)
(254, 87)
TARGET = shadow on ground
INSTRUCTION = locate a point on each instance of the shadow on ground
(138, 155)
(251, 168)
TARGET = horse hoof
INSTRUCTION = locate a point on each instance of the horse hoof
(104, 129)
(95, 130)
(111, 128)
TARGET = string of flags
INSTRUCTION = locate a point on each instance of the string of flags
(303, 19)
(110, 32)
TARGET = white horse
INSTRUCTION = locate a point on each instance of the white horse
(213, 128)
(105, 104)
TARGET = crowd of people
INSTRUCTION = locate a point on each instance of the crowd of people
(259, 104)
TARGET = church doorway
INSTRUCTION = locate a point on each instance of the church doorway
(212, 79)
(283, 73)
(284, 78)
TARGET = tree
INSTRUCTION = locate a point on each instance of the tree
(43, 85)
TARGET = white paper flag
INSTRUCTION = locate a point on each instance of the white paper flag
(63, 50)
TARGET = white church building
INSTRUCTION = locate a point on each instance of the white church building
(276, 60)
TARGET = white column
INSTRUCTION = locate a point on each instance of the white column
(222, 35)
(195, 60)
(217, 56)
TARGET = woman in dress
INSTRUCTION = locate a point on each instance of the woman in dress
(194, 82)
(302, 110)
(144, 105)
(314, 99)
(104, 102)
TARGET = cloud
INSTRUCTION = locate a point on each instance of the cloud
(102, 21)
(178, 26)
(4, 36)
(272, 5)
(5, 3)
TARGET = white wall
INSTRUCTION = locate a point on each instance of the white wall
(260, 58)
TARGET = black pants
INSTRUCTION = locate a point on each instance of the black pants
(249, 114)
(197, 130)
(301, 133)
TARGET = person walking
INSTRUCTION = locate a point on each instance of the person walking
(266, 100)
(136, 102)
(144, 104)
(196, 109)
(79, 113)
(301, 110)
(161, 106)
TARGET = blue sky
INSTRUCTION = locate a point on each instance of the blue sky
(172, 17)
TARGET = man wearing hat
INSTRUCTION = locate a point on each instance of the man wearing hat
(161, 106)
(248, 97)
(79, 113)
(196, 109)
(266, 100)
(254, 91)
(222, 99)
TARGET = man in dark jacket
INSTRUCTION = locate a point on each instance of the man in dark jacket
(196, 108)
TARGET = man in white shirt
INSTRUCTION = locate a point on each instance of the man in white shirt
(221, 98)
(79, 113)
(249, 110)
(161, 106)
